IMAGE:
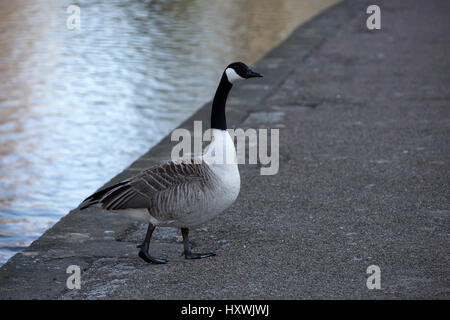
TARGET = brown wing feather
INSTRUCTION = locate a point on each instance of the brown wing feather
(155, 183)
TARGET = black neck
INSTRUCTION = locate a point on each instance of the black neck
(218, 120)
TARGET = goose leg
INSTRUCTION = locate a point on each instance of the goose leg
(143, 252)
(188, 254)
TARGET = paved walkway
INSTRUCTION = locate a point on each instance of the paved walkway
(364, 179)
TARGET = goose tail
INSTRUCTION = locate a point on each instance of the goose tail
(97, 198)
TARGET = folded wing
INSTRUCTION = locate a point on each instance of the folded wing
(166, 188)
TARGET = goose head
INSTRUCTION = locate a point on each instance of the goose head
(239, 71)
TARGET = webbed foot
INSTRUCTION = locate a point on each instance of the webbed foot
(144, 255)
(192, 255)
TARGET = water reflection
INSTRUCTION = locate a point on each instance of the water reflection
(77, 106)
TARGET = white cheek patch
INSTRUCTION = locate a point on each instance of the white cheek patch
(232, 75)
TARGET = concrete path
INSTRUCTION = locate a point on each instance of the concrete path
(364, 180)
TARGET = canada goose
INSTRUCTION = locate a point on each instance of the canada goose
(183, 194)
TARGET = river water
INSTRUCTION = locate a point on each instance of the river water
(78, 106)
